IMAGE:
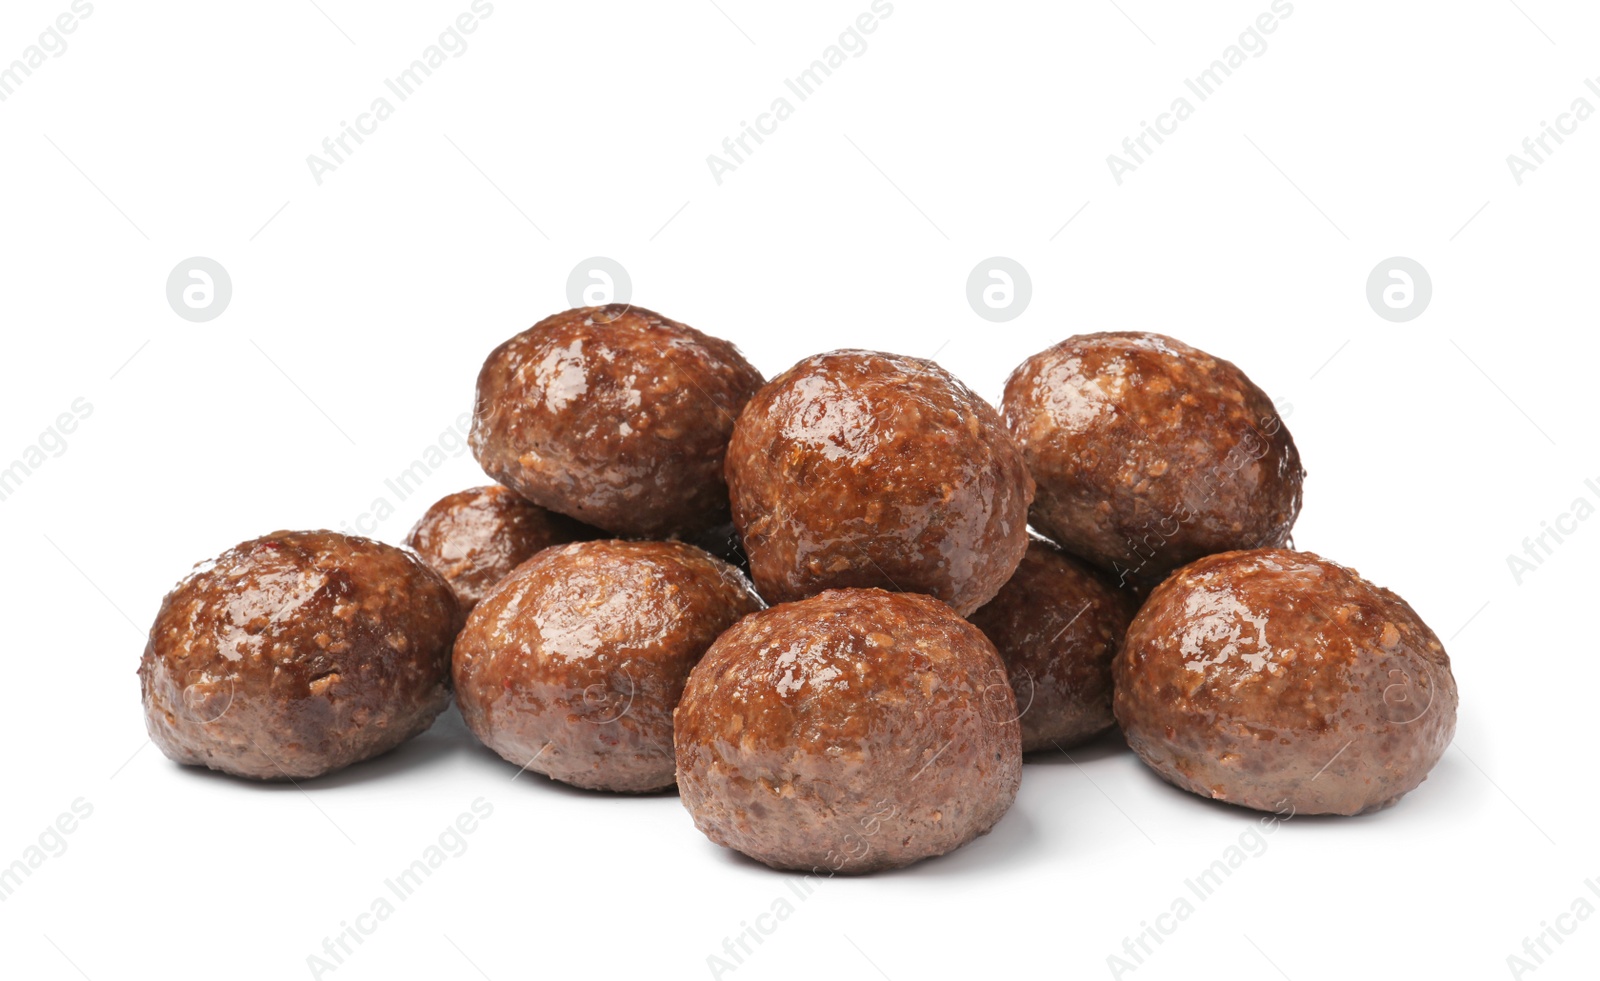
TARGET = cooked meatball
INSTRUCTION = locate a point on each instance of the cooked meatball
(296, 654)
(474, 538)
(1149, 453)
(1277, 679)
(1057, 624)
(572, 665)
(863, 469)
(615, 416)
(854, 731)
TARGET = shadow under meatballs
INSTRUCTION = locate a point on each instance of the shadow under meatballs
(549, 784)
(1442, 797)
(445, 739)
(1014, 839)
(1104, 746)
(502, 767)
(1012, 842)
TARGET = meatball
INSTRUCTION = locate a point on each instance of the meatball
(1149, 453)
(854, 731)
(474, 538)
(856, 469)
(1057, 624)
(296, 654)
(615, 416)
(1274, 679)
(572, 665)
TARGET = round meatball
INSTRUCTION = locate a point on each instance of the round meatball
(854, 731)
(615, 416)
(1057, 624)
(857, 469)
(296, 654)
(1277, 679)
(572, 665)
(475, 537)
(1149, 453)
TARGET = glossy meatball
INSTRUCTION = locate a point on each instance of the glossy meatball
(1277, 679)
(1057, 624)
(296, 654)
(1149, 453)
(862, 469)
(615, 416)
(572, 665)
(475, 537)
(854, 731)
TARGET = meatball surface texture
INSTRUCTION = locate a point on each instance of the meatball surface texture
(475, 537)
(296, 654)
(1149, 453)
(1277, 679)
(851, 732)
(1057, 624)
(858, 469)
(572, 665)
(615, 416)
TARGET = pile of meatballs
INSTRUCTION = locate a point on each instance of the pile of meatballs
(814, 604)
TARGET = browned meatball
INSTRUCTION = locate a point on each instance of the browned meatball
(296, 654)
(1149, 453)
(1057, 624)
(1273, 679)
(615, 416)
(863, 469)
(854, 731)
(474, 538)
(572, 665)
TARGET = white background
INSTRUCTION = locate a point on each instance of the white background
(362, 310)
